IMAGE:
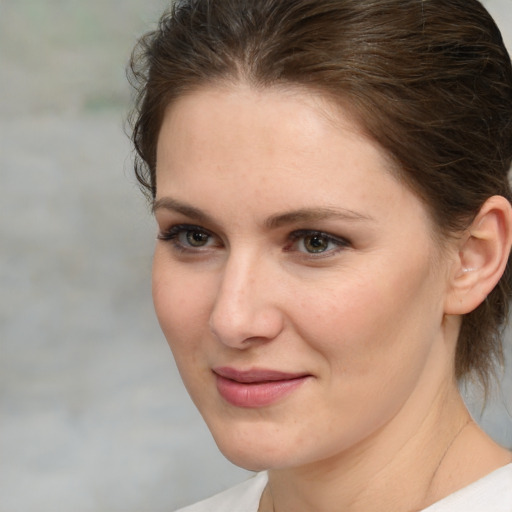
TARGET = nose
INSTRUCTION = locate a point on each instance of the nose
(246, 309)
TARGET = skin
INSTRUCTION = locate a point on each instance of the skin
(379, 421)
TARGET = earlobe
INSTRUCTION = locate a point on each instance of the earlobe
(482, 257)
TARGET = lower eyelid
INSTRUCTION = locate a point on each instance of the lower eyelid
(174, 233)
(174, 236)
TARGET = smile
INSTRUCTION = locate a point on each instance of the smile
(255, 388)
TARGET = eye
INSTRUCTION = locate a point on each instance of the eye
(316, 243)
(187, 237)
(194, 238)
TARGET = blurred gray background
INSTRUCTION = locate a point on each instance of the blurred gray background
(93, 416)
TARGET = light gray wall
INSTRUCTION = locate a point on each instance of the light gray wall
(93, 416)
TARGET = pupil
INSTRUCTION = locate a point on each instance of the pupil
(316, 243)
(197, 238)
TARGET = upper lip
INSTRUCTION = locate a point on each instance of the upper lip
(256, 374)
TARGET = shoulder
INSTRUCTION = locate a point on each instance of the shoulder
(244, 497)
(493, 493)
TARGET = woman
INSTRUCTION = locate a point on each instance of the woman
(329, 178)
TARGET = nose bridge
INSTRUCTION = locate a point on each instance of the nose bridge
(245, 308)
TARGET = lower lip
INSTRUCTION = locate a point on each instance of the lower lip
(256, 394)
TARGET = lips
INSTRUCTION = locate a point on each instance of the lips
(256, 387)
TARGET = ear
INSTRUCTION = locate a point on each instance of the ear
(482, 257)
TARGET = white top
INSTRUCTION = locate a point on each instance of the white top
(493, 493)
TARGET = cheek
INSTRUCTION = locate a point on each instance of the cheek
(365, 334)
(374, 349)
(183, 318)
(181, 305)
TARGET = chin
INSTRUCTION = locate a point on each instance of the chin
(254, 461)
(263, 447)
(254, 447)
(248, 461)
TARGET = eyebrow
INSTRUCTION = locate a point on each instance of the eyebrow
(314, 215)
(274, 221)
(168, 203)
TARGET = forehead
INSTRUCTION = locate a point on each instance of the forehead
(292, 147)
(261, 123)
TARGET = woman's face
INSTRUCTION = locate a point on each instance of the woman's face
(296, 280)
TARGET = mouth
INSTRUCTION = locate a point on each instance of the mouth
(256, 387)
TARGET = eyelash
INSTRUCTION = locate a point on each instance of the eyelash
(302, 234)
(172, 235)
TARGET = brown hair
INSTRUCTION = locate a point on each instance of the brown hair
(429, 80)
